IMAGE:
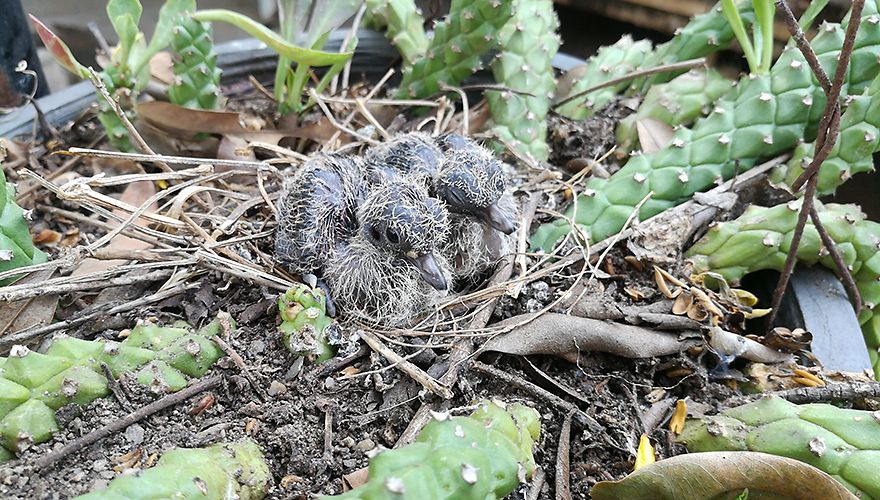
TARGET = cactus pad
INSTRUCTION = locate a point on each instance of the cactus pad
(196, 76)
(843, 443)
(761, 237)
(33, 385)
(468, 32)
(305, 326)
(16, 247)
(483, 456)
(236, 470)
(763, 117)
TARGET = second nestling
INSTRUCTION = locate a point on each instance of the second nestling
(388, 236)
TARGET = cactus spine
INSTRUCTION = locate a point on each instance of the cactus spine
(34, 385)
(196, 76)
(525, 65)
(469, 31)
(765, 116)
(479, 457)
(843, 443)
(305, 327)
(677, 102)
(16, 246)
(761, 237)
(403, 25)
(236, 470)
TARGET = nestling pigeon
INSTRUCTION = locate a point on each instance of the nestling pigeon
(375, 244)
(470, 181)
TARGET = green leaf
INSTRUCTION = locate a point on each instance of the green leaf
(710, 475)
(812, 11)
(169, 17)
(731, 13)
(59, 50)
(124, 15)
(296, 54)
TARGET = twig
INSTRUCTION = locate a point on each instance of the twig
(563, 464)
(843, 270)
(236, 358)
(690, 63)
(585, 421)
(336, 364)
(416, 373)
(846, 391)
(135, 416)
(825, 140)
(116, 389)
(801, 40)
(19, 292)
(174, 160)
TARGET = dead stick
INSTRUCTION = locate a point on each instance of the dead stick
(416, 373)
(133, 417)
(563, 465)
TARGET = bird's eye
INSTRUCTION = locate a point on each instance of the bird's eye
(392, 236)
(375, 235)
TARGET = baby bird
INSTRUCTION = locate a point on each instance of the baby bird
(470, 181)
(375, 245)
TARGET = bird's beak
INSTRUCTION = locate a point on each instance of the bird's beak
(496, 218)
(430, 271)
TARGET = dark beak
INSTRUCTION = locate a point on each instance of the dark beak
(497, 219)
(430, 271)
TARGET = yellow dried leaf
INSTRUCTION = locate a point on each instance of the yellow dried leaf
(806, 381)
(809, 376)
(645, 455)
(682, 303)
(676, 423)
(756, 313)
(745, 297)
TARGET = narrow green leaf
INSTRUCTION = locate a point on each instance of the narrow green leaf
(124, 15)
(731, 13)
(296, 54)
(811, 13)
(59, 50)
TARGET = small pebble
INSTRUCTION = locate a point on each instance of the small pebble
(135, 434)
(107, 474)
(347, 442)
(350, 464)
(276, 388)
(77, 475)
(365, 444)
(99, 465)
(331, 384)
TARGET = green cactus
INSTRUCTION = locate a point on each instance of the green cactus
(852, 153)
(761, 237)
(232, 470)
(843, 443)
(469, 31)
(765, 116)
(196, 76)
(403, 24)
(480, 457)
(703, 35)
(677, 102)
(305, 327)
(525, 65)
(16, 246)
(33, 385)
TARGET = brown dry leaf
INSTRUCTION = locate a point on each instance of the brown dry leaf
(653, 134)
(71, 238)
(162, 67)
(356, 478)
(27, 313)
(233, 147)
(47, 237)
(682, 303)
(567, 336)
(635, 294)
(350, 370)
(712, 474)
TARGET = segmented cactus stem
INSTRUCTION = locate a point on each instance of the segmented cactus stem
(196, 76)
(305, 327)
(16, 246)
(403, 24)
(460, 40)
(525, 67)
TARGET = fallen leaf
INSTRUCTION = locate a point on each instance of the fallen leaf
(567, 336)
(162, 67)
(654, 135)
(709, 475)
(27, 313)
(357, 478)
(47, 237)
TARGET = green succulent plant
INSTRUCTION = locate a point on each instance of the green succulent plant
(16, 246)
(218, 472)
(480, 457)
(765, 115)
(196, 75)
(305, 327)
(403, 25)
(843, 443)
(305, 26)
(128, 72)
(33, 385)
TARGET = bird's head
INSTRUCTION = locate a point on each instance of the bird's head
(400, 218)
(471, 182)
